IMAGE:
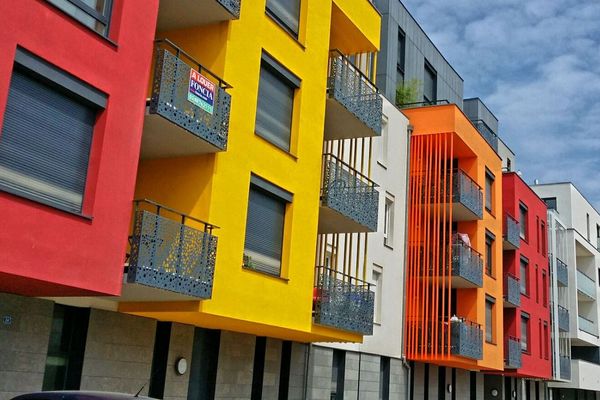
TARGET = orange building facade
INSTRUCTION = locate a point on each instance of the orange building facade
(454, 307)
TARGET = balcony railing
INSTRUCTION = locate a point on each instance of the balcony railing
(351, 197)
(487, 133)
(587, 325)
(170, 254)
(512, 292)
(343, 302)
(192, 104)
(586, 285)
(467, 192)
(512, 233)
(563, 318)
(565, 367)
(354, 106)
(512, 357)
(467, 264)
(466, 339)
(562, 273)
(185, 14)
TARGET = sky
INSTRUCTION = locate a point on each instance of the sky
(536, 65)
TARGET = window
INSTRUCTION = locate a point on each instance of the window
(400, 58)
(489, 319)
(489, 253)
(384, 378)
(286, 13)
(489, 193)
(587, 222)
(544, 289)
(388, 222)
(47, 134)
(276, 90)
(524, 279)
(550, 203)
(523, 221)
(508, 164)
(66, 347)
(546, 341)
(94, 14)
(537, 232)
(264, 226)
(384, 140)
(377, 274)
(544, 238)
(338, 369)
(597, 237)
(429, 84)
(537, 285)
(541, 336)
(524, 332)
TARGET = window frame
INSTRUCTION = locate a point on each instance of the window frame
(279, 21)
(377, 316)
(104, 18)
(524, 278)
(551, 200)
(490, 239)
(388, 221)
(427, 67)
(525, 347)
(523, 222)
(489, 176)
(489, 333)
(289, 79)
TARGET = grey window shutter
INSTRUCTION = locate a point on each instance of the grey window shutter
(45, 143)
(264, 231)
(286, 11)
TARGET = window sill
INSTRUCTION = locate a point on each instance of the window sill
(381, 164)
(290, 32)
(387, 246)
(490, 276)
(281, 149)
(265, 274)
(491, 342)
(47, 204)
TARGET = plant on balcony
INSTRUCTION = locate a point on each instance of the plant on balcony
(407, 92)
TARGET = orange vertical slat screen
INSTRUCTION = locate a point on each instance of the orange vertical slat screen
(428, 270)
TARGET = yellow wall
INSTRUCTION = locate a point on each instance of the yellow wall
(215, 187)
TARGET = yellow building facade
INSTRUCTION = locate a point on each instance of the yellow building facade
(215, 186)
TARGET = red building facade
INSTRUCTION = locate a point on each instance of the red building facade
(72, 94)
(526, 281)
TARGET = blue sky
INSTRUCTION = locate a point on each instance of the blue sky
(536, 65)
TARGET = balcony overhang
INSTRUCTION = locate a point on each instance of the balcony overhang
(180, 14)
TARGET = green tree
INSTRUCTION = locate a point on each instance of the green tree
(407, 92)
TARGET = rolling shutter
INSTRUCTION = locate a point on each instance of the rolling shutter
(45, 143)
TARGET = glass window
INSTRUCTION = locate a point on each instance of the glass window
(523, 221)
(524, 333)
(524, 278)
(489, 194)
(275, 106)
(94, 14)
(45, 143)
(489, 254)
(286, 13)
(429, 84)
(388, 222)
(401, 52)
(264, 231)
(544, 289)
(489, 319)
(377, 274)
(550, 203)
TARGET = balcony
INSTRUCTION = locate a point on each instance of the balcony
(586, 288)
(181, 14)
(486, 132)
(354, 107)
(171, 252)
(587, 325)
(562, 273)
(343, 302)
(565, 367)
(512, 234)
(466, 339)
(512, 292)
(467, 266)
(188, 113)
(349, 200)
(512, 357)
(563, 319)
(466, 196)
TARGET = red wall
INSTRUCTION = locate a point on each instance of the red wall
(44, 251)
(515, 190)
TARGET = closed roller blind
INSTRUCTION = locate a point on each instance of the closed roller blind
(264, 231)
(45, 143)
(286, 11)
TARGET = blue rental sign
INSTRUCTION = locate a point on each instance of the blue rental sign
(201, 91)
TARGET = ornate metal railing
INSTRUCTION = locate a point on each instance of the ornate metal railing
(512, 232)
(565, 367)
(586, 285)
(343, 302)
(562, 273)
(563, 318)
(349, 192)
(202, 109)
(512, 353)
(168, 253)
(466, 262)
(355, 91)
(467, 192)
(587, 325)
(486, 132)
(466, 339)
(512, 293)
(233, 6)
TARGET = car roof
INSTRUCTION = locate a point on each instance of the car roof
(78, 395)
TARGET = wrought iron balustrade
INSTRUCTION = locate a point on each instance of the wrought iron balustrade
(512, 293)
(512, 357)
(466, 339)
(467, 263)
(512, 233)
